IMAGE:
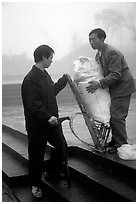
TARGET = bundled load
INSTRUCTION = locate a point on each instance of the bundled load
(97, 103)
(127, 152)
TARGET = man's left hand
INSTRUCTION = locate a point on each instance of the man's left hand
(93, 86)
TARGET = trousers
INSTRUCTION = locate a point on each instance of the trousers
(37, 141)
(119, 111)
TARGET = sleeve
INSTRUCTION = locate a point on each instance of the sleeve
(114, 68)
(60, 84)
(35, 103)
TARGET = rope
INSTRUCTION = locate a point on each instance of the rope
(72, 129)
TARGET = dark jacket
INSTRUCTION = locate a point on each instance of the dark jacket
(116, 72)
(39, 97)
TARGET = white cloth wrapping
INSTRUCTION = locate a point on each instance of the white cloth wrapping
(98, 103)
(127, 152)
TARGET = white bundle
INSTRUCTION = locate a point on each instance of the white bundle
(98, 103)
(127, 152)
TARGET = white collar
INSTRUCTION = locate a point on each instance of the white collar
(100, 53)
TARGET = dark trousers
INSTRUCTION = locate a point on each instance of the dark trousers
(37, 138)
(119, 111)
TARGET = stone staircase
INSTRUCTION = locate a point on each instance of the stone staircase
(95, 177)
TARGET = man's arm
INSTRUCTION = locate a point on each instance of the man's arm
(115, 71)
(60, 84)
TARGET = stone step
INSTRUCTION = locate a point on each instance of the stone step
(101, 171)
(18, 141)
(23, 193)
(96, 174)
(13, 171)
(83, 191)
(16, 175)
(111, 162)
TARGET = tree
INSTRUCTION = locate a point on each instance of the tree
(113, 20)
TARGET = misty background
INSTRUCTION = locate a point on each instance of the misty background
(64, 27)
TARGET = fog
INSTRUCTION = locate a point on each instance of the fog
(65, 27)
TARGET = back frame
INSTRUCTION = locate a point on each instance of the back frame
(89, 120)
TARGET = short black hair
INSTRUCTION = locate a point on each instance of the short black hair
(100, 33)
(42, 50)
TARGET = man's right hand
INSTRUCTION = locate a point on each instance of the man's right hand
(53, 120)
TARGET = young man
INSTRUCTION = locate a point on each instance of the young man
(118, 79)
(41, 114)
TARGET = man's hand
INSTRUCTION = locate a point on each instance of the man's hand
(65, 76)
(93, 86)
(53, 120)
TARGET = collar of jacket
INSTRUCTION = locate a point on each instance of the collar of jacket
(39, 70)
(103, 49)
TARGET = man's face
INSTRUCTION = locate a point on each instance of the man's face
(48, 61)
(95, 42)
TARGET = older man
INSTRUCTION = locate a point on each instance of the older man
(119, 80)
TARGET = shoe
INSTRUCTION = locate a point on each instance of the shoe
(37, 192)
(110, 144)
(112, 150)
(49, 176)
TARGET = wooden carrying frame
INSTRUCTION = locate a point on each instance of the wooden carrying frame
(94, 132)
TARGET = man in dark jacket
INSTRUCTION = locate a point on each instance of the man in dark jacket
(119, 80)
(41, 114)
